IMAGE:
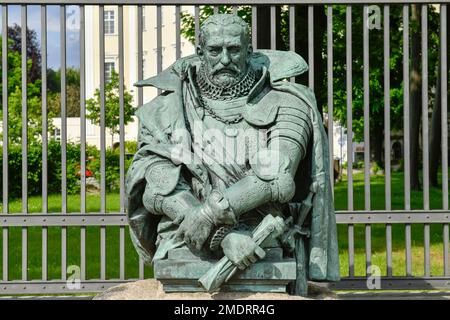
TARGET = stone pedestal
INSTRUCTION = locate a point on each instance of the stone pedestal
(152, 289)
(182, 269)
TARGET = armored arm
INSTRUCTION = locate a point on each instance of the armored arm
(273, 168)
(167, 192)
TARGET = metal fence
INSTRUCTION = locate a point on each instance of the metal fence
(350, 218)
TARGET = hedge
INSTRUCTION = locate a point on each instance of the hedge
(73, 152)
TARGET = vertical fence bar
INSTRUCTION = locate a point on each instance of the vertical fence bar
(197, 23)
(368, 241)
(24, 141)
(235, 9)
(387, 135)
(83, 140)
(159, 56)
(5, 254)
(444, 126)
(63, 111)
(426, 253)
(444, 118)
(140, 75)
(389, 249)
(349, 89)
(5, 136)
(351, 250)
(254, 27)
(406, 105)
(445, 238)
(368, 230)
(366, 109)
(102, 109)
(351, 245)
(140, 71)
(215, 9)
(102, 141)
(408, 250)
(406, 134)
(426, 189)
(122, 145)
(44, 135)
(5, 203)
(311, 46)
(425, 159)
(292, 31)
(273, 28)
(44, 107)
(63, 141)
(178, 33)
(330, 89)
(82, 110)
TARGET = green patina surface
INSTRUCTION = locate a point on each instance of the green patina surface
(232, 159)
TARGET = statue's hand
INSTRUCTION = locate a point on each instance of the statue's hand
(241, 249)
(194, 230)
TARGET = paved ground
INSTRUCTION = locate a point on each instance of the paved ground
(347, 296)
(395, 295)
(341, 295)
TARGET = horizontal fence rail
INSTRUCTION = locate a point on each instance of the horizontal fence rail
(359, 226)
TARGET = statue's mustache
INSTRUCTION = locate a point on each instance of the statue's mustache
(227, 69)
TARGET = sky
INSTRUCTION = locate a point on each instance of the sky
(53, 31)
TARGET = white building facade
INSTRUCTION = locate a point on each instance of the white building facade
(149, 59)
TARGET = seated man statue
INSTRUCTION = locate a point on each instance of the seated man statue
(229, 141)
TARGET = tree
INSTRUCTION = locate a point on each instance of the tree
(34, 115)
(72, 91)
(436, 128)
(376, 56)
(415, 96)
(282, 35)
(112, 106)
(33, 49)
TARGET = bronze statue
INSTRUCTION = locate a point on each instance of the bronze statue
(232, 164)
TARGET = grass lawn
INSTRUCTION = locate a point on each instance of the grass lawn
(131, 259)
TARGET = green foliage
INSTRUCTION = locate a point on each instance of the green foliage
(34, 174)
(376, 71)
(54, 168)
(34, 115)
(72, 92)
(112, 105)
(188, 20)
(131, 147)
(112, 168)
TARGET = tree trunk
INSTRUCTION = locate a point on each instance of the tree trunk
(435, 130)
(377, 141)
(415, 98)
(263, 27)
(320, 72)
(435, 133)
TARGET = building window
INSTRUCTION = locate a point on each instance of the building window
(109, 67)
(57, 134)
(109, 22)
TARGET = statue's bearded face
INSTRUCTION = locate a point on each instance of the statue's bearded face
(225, 54)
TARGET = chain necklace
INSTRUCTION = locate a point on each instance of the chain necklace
(211, 91)
(213, 114)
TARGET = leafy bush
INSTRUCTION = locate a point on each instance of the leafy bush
(54, 169)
